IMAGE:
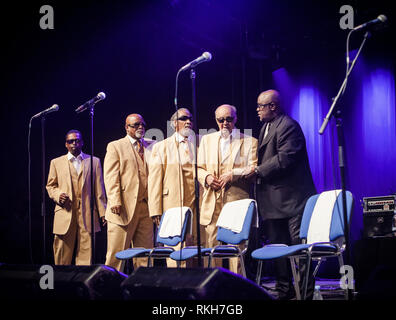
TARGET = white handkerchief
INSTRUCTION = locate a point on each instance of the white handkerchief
(172, 222)
(232, 216)
(319, 226)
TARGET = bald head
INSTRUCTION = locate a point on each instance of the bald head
(133, 116)
(268, 105)
(271, 96)
(226, 117)
(135, 126)
(226, 108)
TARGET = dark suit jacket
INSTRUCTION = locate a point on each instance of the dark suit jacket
(284, 181)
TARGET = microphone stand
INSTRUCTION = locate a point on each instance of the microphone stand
(43, 184)
(92, 196)
(93, 236)
(196, 185)
(336, 113)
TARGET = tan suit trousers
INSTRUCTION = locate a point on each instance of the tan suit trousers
(64, 244)
(211, 241)
(138, 233)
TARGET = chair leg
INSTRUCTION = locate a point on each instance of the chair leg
(122, 265)
(149, 263)
(305, 282)
(242, 265)
(341, 263)
(258, 274)
(317, 267)
(209, 261)
(296, 278)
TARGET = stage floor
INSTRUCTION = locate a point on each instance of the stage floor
(329, 288)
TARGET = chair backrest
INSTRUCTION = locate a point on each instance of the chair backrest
(323, 216)
(172, 241)
(232, 237)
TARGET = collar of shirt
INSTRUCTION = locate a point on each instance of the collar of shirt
(232, 134)
(180, 138)
(80, 157)
(133, 140)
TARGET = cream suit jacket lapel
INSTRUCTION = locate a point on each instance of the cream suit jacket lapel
(236, 143)
(66, 175)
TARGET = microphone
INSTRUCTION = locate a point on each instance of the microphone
(54, 108)
(100, 96)
(380, 21)
(206, 56)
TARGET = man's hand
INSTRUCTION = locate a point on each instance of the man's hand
(249, 172)
(213, 182)
(225, 179)
(103, 220)
(63, 199)
(116, 210)
(156, 220)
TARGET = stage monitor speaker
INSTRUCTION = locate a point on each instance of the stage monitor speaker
(97, 282)
(375, 268)
(190, 284)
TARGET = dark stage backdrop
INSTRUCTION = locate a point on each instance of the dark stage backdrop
(131, 50)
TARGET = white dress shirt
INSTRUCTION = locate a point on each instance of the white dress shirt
(76, 161)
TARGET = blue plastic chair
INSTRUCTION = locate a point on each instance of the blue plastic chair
(314, 251)
(158, 252)
(230, 250)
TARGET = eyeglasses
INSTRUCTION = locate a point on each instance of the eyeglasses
(185, 118)
(264, 105)
(70, 141)
(137, 125)
(228, 119)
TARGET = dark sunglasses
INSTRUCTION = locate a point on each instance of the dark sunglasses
(137, 125)
(185, 118)
(264, 105)
(70, 141)
(228, 119)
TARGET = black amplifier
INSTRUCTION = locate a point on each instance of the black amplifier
(379, 216)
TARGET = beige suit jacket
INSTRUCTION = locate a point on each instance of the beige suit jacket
(59, 181)
(121, 179)
(243, 154)
(165, 184)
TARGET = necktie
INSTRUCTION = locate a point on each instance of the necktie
(267, 129)
(187, 149)
(140, 149)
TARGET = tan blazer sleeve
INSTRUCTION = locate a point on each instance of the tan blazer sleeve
(100, 190)
(249, 158)
(201, 161)
(52, 183)
(155, 180)
(112, 181)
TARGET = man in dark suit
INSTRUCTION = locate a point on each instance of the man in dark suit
(284, 181)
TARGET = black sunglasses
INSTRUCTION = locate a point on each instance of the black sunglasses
(185, 118)
(228, 119)
(70, 141)
(137, 125)
(264, 105)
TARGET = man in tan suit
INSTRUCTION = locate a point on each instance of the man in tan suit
(69, 186)
(125, 177)
(225, 159)
(171, 180)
